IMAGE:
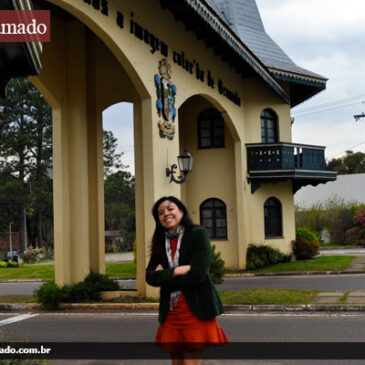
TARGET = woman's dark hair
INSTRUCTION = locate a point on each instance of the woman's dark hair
(158, 238)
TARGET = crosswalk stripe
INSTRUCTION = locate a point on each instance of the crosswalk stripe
(19, 318)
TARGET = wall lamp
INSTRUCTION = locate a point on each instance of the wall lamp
(185, 161)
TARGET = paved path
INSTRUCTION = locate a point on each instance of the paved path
(109, 257)
(347, 251)
(358, 264)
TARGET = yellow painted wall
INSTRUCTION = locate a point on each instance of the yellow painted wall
(212, 177)
(281, 191)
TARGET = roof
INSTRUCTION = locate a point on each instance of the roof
(244, 19)
(238, 34)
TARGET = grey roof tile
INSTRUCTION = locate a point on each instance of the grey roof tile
(244, 19)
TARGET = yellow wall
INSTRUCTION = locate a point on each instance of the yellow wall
(212, 177)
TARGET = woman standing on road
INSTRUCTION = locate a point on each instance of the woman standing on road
(180, 263)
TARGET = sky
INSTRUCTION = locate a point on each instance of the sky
(323, 36)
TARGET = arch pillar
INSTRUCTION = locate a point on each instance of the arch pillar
(151, 181)
(241, 206)
(78, 168)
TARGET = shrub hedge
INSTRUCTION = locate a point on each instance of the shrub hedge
(50, 295)
(306, 244)
(217, 267)
(259, 256)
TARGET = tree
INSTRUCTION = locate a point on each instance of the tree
(118, 193)
(351, 163)
(25, 150)
(120, 205)
(112, 159)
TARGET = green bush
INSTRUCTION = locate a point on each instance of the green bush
(307, 234)
(217, 267)
(304, 249)
(356, 235)
(259, 256)
(128, 240)
(8, 264)
(336, 216)
(313, 217)
(50, 295)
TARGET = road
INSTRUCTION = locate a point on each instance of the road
(315, 282)
(343, 251)
(122, 327)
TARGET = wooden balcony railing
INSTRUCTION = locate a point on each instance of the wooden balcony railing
(273, 162)
(285, 156)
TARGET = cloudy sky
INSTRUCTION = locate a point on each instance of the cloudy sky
(324, 36)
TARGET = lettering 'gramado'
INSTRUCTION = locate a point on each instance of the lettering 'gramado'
(23, 29)
(25, 26)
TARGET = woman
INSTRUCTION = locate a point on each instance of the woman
(180, 263)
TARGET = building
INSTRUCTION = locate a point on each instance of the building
(202, 75)
(349, 188)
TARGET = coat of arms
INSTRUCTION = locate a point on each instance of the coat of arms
(166, 92)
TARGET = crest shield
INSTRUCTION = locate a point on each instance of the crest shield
(166, 92)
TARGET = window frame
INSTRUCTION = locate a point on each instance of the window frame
(275, 213)
(214, 218)
(214, 118)
(266, 116)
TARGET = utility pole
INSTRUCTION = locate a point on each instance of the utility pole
(11, 242)
(359, 116)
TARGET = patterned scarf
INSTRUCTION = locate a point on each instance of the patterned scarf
(179, 232)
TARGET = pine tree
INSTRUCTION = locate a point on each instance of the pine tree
(25, 149)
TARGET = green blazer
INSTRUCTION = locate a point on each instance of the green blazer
(196, 285)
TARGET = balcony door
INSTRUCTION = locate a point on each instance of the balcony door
(269, 127)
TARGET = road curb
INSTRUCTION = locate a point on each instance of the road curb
(294, 273)
(153, 307)
(24, 281)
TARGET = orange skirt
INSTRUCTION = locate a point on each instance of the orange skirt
(183, 331)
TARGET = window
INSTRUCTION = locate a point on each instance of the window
(213, 217)
(273, 218)
(210, 129)
(269, 126)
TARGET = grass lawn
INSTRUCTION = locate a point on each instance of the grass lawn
(47, 271)
(321, 263)
(252, 296)
(127, 269)
(269, 296)
(27, 272)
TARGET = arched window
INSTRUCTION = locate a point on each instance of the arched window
(213, 216)
(273, 218)
(210, 129)
(269, 126)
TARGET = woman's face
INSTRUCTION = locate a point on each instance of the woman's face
(169, 215)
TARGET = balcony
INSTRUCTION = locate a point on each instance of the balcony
(275, 162)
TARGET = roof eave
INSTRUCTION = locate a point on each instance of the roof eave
(303, 87)
(226, 36)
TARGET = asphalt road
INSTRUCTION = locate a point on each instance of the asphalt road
(121, 327)
(315, 282)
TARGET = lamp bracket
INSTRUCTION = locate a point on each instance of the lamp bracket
(171, 172)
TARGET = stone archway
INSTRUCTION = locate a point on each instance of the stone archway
(84, 72)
